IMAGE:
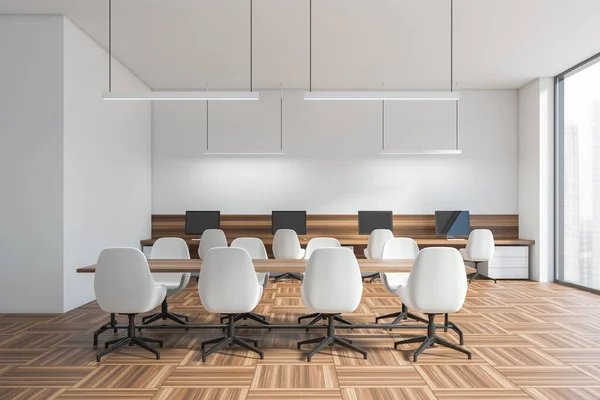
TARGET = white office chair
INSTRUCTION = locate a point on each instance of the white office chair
(398, 249)
(228, 285)
(211, 238)
(436, 285)
(332, 285)
(287, 246)
(256, 248)
(172, 248)
(480, 248)
(315, 244)
(123, 284)
(374, 248)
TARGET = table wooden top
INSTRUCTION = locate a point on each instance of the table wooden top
(274, 265)
(362, 240)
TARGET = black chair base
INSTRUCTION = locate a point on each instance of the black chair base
(288, 275)
(330, 340)
(476, 275)
(400, 316)
(316, 317)
(130, 340)
(430, 340)
(253, 316)
(230, 340)
(164, 315)
(371, 277)
(112, 324)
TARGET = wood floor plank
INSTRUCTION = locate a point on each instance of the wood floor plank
(126, 376)
(506, 356)
(558, 341)
(576, 356)
(19, 356)
(45, 377)
(463, 376)
(403, 376)
(387, 394)
(481, 394)
(294, 394)
(201, 394)
(548, 376)
(29, 394)
(295, 377)
(107, 394)
(216, 377)
(563, 393)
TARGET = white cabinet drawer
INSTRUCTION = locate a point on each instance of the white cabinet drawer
(509, 273)
(511, 251)
(509, 262)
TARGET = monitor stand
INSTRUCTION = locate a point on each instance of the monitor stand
(451, 237)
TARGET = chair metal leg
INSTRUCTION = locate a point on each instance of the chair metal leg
(330, 339)
(165, 314)
(230, 340)
(456, 329)
(410, 341)
(288, 275)
(120, 343)
(445, 343)
(130, 340)
(342, 320)
(144, 345)
(242, 343)
(432, 338)
(446, 322)
(426, 344)
(113, 322)
(326, 342)
(313, 315)
(478, 275)
(310, 341)
(400, 316)
(348, 344)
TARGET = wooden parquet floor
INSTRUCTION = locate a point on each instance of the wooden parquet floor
(529, 341)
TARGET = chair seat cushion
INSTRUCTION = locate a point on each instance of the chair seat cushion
(394, 279)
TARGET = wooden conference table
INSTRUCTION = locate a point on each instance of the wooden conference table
(275, 266)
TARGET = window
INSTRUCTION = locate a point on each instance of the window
(578, 175)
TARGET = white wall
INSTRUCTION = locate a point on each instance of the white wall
(106, 162)
(536, 175)
(332, 162)
(31, 181)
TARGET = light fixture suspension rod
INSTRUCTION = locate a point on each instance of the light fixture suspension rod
(110, 45)
(310, 45)
(451, 45)
(251, 11)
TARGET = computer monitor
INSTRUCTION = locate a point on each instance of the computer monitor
(368, 221)
(451, 223)
(295, 220)
(196, 222)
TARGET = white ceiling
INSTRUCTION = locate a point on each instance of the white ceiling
(357, 44)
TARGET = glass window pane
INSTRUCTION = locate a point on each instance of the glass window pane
(580, 194)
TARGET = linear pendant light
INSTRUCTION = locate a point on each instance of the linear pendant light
(186, 95)
(372, 95)
(456, 150)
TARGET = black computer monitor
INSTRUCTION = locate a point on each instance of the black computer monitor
(451, 223)
(295, 220)
(196, 222)
(368, 221)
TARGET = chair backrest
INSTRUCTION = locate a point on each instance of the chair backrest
(170, 248)
(228, 281)
(377, 241)
(332, 282)
(320, 243)
(254, 246)
(438, 281)
(211, 238)
(480, 246)
(286, 244)
(400, 249)
(123, 280)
